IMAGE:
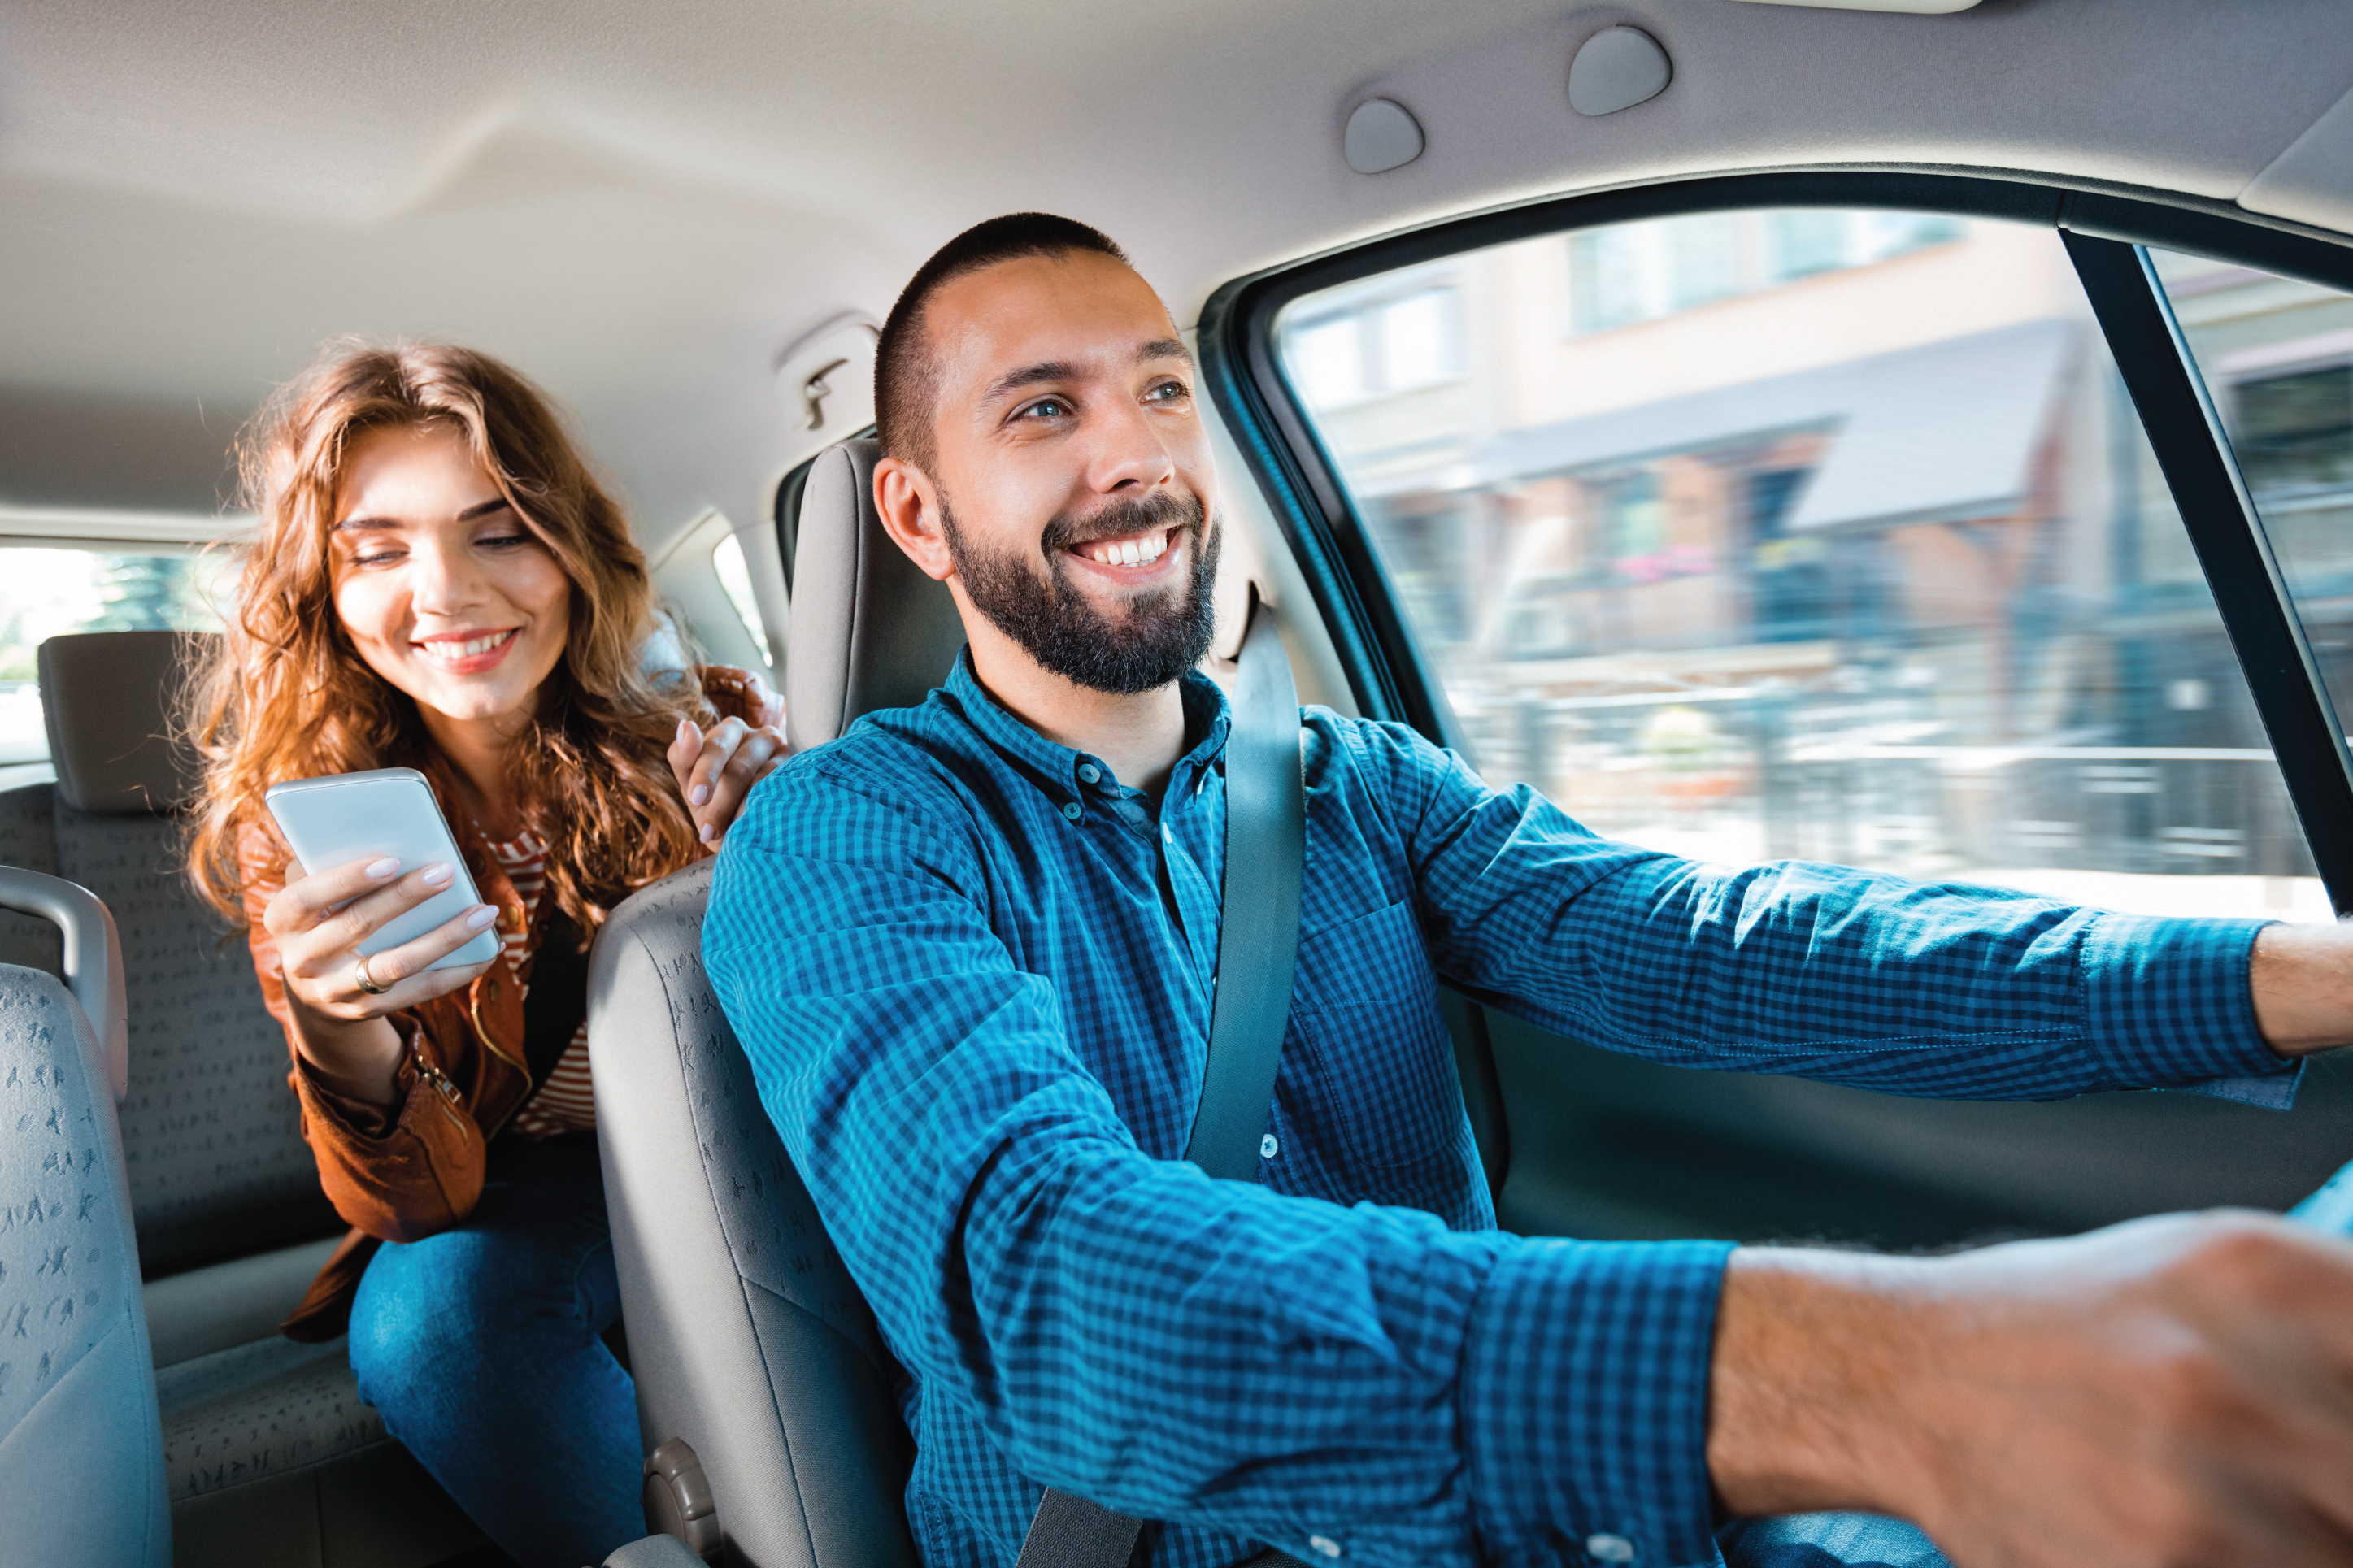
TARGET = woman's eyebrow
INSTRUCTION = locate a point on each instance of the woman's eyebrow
(360, 525)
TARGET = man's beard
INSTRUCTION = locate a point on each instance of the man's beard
(1163, 633)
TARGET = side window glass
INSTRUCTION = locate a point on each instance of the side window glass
(1822, 535)
(735, 577)
(47, 593)
(2276, 355)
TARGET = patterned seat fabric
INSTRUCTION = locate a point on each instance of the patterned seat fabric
(263, 1440)
(257, 1410)
(79, 1456)
(217, 1165)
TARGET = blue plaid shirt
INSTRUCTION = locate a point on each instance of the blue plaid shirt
(973, 975)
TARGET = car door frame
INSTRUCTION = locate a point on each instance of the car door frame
(2107, 230)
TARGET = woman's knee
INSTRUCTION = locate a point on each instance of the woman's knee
(426, 1311)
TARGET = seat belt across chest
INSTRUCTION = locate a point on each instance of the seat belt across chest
(1258, 949)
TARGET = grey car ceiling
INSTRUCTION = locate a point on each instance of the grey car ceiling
(641, 205)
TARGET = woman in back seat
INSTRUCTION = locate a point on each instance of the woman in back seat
(440, 584)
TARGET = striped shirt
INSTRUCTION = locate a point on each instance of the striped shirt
(564, 1102)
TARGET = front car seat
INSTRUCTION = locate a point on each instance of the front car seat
(81, 1451)
(753, 1350)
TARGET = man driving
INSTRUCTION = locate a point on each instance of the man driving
(969, 949)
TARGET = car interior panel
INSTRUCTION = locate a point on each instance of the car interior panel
(1808, 431)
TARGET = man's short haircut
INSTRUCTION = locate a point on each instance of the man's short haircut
(906, 373)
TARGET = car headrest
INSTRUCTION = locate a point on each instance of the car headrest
(869, 629)
(106, 701)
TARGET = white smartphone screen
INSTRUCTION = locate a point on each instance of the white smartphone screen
(334, 821)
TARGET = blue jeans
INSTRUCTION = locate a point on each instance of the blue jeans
(1862, 1540)
(481, 1348)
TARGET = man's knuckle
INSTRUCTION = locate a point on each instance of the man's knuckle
(2192, 1399)
(2245, 1253)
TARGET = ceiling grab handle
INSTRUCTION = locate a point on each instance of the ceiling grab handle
(93, 960)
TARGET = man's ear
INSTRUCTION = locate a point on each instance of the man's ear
(909, 504)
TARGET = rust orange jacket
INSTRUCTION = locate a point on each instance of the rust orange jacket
(417, 1170)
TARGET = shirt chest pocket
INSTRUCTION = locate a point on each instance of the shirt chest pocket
(1378, 1065)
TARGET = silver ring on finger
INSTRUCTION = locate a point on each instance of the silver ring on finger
(365, 981)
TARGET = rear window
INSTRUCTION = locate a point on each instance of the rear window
(47, 593)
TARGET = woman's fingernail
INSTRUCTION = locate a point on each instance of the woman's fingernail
(482, 916)
(699, 795)
(437, 876)
(382, 869)
(686, 731)
(706, 833)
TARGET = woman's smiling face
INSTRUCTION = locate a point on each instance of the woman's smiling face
(444, 591)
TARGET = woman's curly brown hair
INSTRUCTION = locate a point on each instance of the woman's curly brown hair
(285, 695)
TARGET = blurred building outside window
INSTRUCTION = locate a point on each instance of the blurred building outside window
(1866, 561)
(1632, 272)
(2277, 358)
(1398, 343)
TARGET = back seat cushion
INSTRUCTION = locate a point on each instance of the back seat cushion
(260, 1410)
(212, 1135)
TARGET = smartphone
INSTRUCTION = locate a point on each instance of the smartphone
(344, 817)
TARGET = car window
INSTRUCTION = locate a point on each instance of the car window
(735, 577)
(2276, 355)
(1823, 533)
(47, 592)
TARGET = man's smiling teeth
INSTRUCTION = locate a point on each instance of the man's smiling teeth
(1132, 551)
(451, 652)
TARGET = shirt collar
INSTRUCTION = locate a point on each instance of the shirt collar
(1207, 722)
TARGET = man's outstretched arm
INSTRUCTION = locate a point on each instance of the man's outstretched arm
(1816, 970)
(2172, 1390)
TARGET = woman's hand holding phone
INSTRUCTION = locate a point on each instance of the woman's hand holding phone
(344, 1031)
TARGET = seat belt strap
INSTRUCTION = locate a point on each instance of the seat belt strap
(1257, 928)
(1068, 1531)
(1258, 949)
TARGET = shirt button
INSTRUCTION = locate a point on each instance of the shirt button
(1071, 809)
(1609, 1549)
(1267, 1150)
(1323, 1543)
(1089, 772)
